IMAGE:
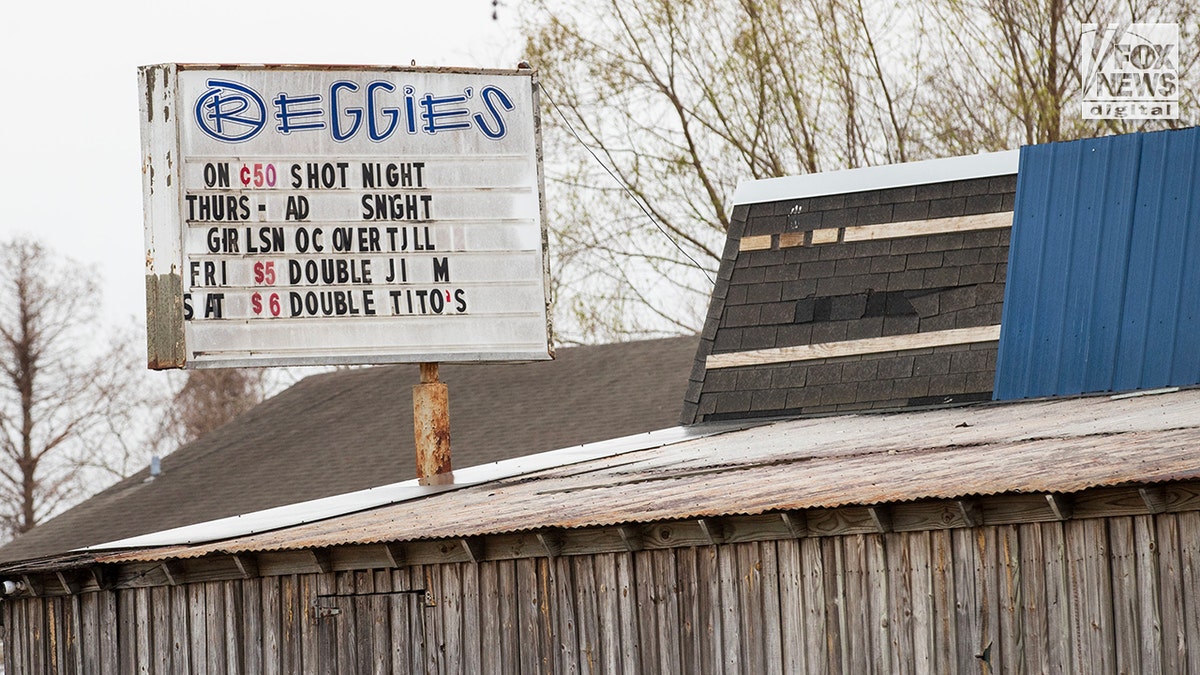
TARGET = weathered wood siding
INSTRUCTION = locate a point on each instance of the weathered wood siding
(1084, 596)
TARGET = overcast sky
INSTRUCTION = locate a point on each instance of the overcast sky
(69, 168)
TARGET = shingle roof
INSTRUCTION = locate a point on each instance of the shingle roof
(352, 429)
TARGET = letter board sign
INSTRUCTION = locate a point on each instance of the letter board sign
(301, 215)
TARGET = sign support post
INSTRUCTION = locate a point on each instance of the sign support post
(431, 427)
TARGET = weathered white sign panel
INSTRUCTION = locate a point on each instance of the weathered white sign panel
(300, 215)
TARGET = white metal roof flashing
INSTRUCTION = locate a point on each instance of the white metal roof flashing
(983, 165)
(351, 502)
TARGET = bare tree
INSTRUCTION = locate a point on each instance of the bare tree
(58, 383)
(209, 399)
(677, 101)
(681, 99)
(1008, 71)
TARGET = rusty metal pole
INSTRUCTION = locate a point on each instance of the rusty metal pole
(431, 427)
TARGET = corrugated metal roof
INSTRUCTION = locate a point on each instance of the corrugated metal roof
(1103, 289)
(360, 500)
(928, 171)
(1058, 446)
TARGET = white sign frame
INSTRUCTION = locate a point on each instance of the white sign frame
(330, 215)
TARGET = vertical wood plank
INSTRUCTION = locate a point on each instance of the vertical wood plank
(252, 649)
(1171, 594)
(1150, 615)
(181, 657)
(750, 606)
(916, 602)
(608, 616)
(408, 622)
(691, 638)
(235, 628)
(837, 625)
(878, 581)
(857, 606)
(969, 640)
(327, 626)
(163, 639)
(29, 635)
(1060, 653)
(492, 638)
(729, 583)
(901, 576)
(772, 621)
(272, 625)
(817, 635)
(647, 620)
(347, 624)
(434, 621)
(42, 647)
(791, 606)
(989, 577)
(1091, 595)
(65, 617)
(944, 612)
(361, 584)
(127, 636)
(51, 648)
(563, 615)
(472, 643)
(145, 631)
(310, 621)
(381, 623)
(506, 601)
(708, 600)
(53, 608)
(529, 617)
(110, 632)
(450, 605)
(14, 630)
(1124, 601)
(1032, 643)
(666, 614)
(68, 635)
(399, 623)
(214, 608)
(1010, 626)
(89, 635)
(587, 612)
(291, 658)
(1189, 550)
(630, 635)
(75, 627)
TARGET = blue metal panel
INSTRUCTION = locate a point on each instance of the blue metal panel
(1100, 295)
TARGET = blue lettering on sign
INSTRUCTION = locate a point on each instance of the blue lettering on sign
(446, 118)
(233, 112)
(230, 111)
(491, 97)
(392, 114)
(285, 112)
(410, 104)
(335, 122)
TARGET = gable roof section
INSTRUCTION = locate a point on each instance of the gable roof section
(873, 288)
(349, 430)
